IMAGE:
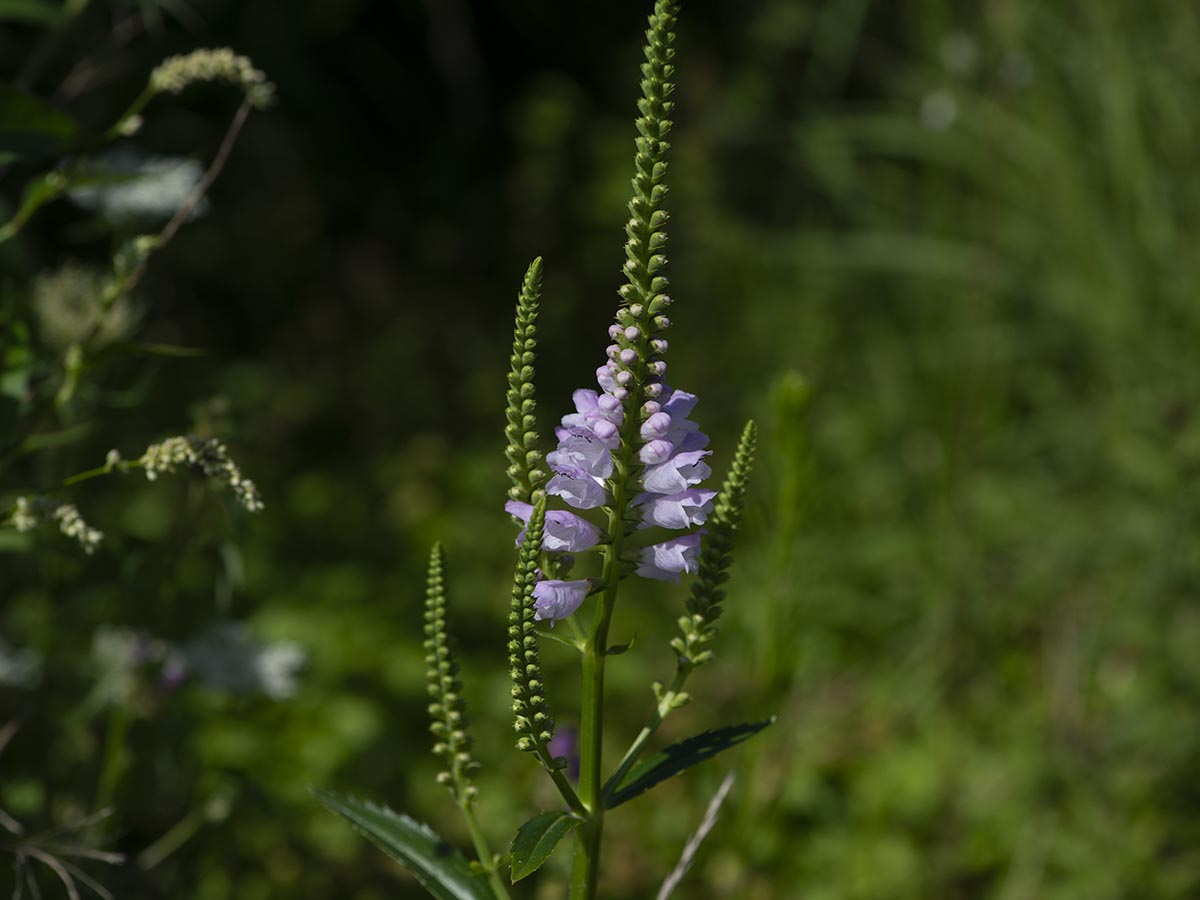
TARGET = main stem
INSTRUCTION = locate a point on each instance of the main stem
(585, 871)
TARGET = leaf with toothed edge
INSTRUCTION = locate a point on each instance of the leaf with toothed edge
(536, 840)
(440, 869)
(677, 758)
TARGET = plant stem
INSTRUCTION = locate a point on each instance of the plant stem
(585, 870)
(499, 889)
(665, 704)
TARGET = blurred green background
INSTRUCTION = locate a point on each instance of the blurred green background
(943, 252)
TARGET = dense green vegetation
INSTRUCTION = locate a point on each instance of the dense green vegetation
(942, 252)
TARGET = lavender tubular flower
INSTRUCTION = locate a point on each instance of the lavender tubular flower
(681, 510)
(565, 532)
(556, 600)
(668, 560)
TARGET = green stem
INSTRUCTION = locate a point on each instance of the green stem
(118, 128)
(115, 756)
(486, 859)
(586, 868)
(666, 703)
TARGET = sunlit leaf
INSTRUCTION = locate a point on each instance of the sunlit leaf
(677, 758)
(536, 840)
(441, 869)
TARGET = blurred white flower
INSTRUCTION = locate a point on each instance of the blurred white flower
(126, 185)
(19, 666)
(938, 110)
(227, 657)
(959, 53)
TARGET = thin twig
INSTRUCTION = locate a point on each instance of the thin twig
(694, 842)
(57, 868)
(198, 192)
(97, 888)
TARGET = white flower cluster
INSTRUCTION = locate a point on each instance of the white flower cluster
(209, 456)
(31, 513)
(176, 73)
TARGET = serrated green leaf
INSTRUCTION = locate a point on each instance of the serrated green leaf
(536, 840)
(677, 758)
(441, 869)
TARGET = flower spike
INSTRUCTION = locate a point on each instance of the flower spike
(716, 556)
(524, 458)
(533, 722)
(447, 709)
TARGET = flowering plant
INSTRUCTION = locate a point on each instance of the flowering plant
(630, 468)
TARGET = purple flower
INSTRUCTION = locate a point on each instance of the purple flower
(564, 530)
(565, 743)
(682, 510)
(581, 448)
(667, 560)
(677, 473)
(578, 488)
(555, 600)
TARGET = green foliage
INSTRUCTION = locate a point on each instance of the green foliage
(525, 469)
(442, 870)
(536, 840)
(678, 758)
(965, 574)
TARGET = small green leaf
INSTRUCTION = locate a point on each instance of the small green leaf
(677, 758)
(441, 869)
(618, 649)
(536, 840)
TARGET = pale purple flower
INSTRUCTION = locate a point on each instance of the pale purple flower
(666, 561)
(565, 743)
(580, 448)
(564, 531)
(682, 510)
(555, 600)
(578, 488)
(678, 473)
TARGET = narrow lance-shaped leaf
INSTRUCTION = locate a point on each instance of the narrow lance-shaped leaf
(678, 758)
(525, 464)
(536, 840)
(441, 869)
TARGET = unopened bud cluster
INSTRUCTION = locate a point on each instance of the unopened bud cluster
(532, 713)
(176, 73)
(205, 455)
(636, 356)
(30, 513)
(526, 468)
(446, 709)
(698, 627)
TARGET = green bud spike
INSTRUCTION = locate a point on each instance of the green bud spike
(525, 460)
(645, 226)
(447, 711)
(716, 556)
(529, 704)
